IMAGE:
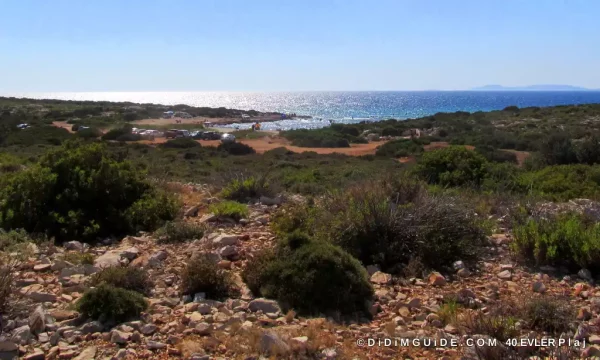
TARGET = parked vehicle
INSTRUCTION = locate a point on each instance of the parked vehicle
(210, 135)
(176, 133)
(227, 138)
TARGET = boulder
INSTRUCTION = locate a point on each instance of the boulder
(224, 240)
(271, 343)
(381, 278)
(228, 251)
(21, 335)
(585, 274)
(505, 275)
(42, 296)
(119, 337)
(436, 279)
(538, 287)
(109, 259)
(73, 245)
(89, 353)
(37, 320)
(271, 201)
(264, 305)
(9, 350)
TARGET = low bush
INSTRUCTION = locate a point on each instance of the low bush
(81, 191)
(569, 240)
(181, 143)
(8, 239)
(497, 326)
(89, 133)
(121, 134)
(311, 277)
(322, 138)
(495, 155)
(452, 166)
(128, 278)
(236, 148)
(108, 303)
(178, 232)
(79, 258)
(230, 209)
(389, 225)
(399, 148)
(245, 189)
(563, 182)
(202, 274)
(6, 287)
(547, 313)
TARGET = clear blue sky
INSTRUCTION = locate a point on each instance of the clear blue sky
(271, 45)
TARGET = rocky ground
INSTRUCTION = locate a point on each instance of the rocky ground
(43, 324)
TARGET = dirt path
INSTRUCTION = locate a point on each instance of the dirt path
(269, 143)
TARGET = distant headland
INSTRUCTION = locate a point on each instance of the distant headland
(532, 88)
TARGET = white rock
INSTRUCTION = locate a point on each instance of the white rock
(225, 239)
(73, 245)
(264, 305)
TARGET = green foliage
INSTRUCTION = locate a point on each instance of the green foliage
(89, 133)
(563, 182)
(558, 150)
(108, 303)
(79, 258)
(311, 278)
(390, 223)
(9, 239)
(322, 138)
(546, 313)
(495, 155)
(128, 278)
(152, 210)
(202, 274)
(34, 135)
(230, 209)
(6, 285)
(246, 189)
(181, 143)
(79, 192)
(10, 163)
(452, 166)
(178, 232)
(588, 150)
(236, 148)
(569, 239)
(121, 134)
(399, 148)
(497, 326)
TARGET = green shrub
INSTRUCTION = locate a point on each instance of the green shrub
(312, 278)
(181, 143)
(245, 189)
(452, 166)
(89, 133)
(547, 313)
(8, 239)
(80, 191)
(569, 239)
(128, 278)
(107, 303)
(558, 150)
(6, 286)
(399, 148)
(324, 138)
(495, 155)
(563, 182)
(236, 148)
(202, 274)
(231, 209)
(389, 225)
(497, 326)
(121, 134)
(178, 232)
(79, 258)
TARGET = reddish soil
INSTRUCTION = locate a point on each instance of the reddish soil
(270, 143)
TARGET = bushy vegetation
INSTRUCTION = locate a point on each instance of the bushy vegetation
(181, 143)
(236, 148)
(80, 191)
(495, 155)
(229, 209)
(9, 239)
(128, 278)
(548, 313)
(389, 223)
(316, 138)
(79, 258)
(245, 189)
(107, 303)
(571, 240)
(202, 274)
(452, 166)
(400, 148)
(6, 286)
(178, 232)
(121, 134)
(311, 277)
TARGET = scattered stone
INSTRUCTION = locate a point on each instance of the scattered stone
(270, 201)
(505, 275)
(9, 350)
(21, 335)
(463, 273)
(191, 211)
(228, 251)
(585, 274)
(436, 279)
(224, 240)
(594, 339)
(148, 329)
(42, 296)
(38, 354)
(37, 320)
(155, 345)
(119, 337)
(42, 267)
(109, 259)
(271, 343)
(88, 353)
(381, 278)
(91, 327)
(584, 314)
(264, 305)
(203, 329)
(539, 287)
(131, 253)
(73, 245)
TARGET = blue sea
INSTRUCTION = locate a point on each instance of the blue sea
(343, 107)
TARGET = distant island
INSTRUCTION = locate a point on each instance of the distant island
(532, 88)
